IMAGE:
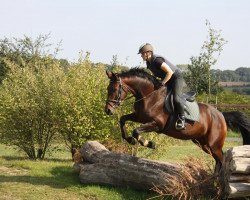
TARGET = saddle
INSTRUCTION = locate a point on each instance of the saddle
(191, 108)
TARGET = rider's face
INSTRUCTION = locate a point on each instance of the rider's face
(146, 56)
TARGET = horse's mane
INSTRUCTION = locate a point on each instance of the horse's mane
(139, 72)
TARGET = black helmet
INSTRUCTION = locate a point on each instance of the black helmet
(145, 47)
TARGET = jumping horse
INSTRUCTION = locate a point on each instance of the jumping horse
(209, 132)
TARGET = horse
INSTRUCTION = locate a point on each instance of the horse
(209, 132)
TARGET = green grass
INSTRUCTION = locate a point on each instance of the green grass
(233, 134)
(54, 178)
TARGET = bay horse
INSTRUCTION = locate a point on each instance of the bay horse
(209, 132)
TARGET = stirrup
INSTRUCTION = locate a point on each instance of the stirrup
(180, 124)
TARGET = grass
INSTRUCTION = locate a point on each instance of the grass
(239, 88)
(54, 178)
(232, 134)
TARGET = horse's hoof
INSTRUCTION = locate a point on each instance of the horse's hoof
(131, 140)
(151, 145)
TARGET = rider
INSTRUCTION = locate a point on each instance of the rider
(170, 75)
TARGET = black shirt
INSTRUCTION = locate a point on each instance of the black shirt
(155, 66)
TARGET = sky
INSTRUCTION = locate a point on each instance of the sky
(106, 28)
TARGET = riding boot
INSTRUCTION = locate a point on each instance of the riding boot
(180, 122)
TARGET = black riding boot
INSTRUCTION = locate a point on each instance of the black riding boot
(180, 122)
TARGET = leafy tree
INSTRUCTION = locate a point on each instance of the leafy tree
(23, 51)
(240, 74)
(42, 100)
(198, 75)
(27, 115)
(42, 97)
(226, 75)
(82, 104)
(27, 93)
(243, 73)
(114, 63)
(195, 77)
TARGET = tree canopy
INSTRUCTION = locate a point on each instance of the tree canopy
(241, 74)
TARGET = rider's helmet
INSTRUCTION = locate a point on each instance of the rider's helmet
(145, 47)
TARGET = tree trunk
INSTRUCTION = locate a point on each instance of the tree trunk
(100, 166)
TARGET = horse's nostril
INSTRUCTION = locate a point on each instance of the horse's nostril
(108, 111)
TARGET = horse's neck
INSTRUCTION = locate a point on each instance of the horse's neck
(141, 88)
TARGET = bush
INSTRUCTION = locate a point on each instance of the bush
(41, 100)
(27, 109)
(82, 104)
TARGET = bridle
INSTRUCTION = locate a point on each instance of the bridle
(117, 102)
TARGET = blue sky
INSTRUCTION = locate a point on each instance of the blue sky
(105, 28)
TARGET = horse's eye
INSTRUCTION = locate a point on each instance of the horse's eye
(110, 89)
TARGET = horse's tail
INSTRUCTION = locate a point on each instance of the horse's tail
(239, 122)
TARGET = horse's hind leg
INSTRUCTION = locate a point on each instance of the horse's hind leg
(148, 127)
(216, 145)
(218, 156)
(212, 152)
(216, 138)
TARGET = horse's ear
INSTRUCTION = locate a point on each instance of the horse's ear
(110, 75)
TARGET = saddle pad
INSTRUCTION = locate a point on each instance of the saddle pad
(191, 111)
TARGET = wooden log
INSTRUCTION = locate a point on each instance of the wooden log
(239, 190)
(118, 169)
(239, 151)
(235, 176)
(240, 165)
(239, 178)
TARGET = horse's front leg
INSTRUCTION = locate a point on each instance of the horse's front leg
(148, 127)
(123, 119)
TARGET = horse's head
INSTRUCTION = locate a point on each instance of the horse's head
(135, 81)
(116, 93)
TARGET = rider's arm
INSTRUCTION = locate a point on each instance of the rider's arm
(169, 72)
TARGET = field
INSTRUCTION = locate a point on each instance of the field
(54, 178)
(244, 89)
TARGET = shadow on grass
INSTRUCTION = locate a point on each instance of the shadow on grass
(10, 158)
(64, 177)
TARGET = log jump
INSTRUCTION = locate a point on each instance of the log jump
(101, 166)
(97, 165)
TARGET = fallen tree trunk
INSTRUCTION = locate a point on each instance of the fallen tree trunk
(236, 174)
(97, 165)
(104, 167)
